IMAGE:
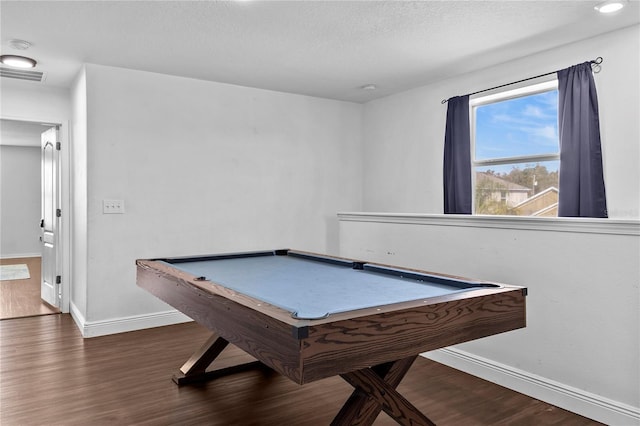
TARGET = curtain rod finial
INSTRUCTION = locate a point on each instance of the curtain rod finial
(595, 64)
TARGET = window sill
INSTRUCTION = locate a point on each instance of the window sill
(560, 224)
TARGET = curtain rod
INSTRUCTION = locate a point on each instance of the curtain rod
(595, 62)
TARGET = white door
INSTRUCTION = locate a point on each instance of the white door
(50, 284)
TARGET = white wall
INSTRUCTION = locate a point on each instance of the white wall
(202, 168)
(78, 172)
(19, 200)
(581, 349)
(26, 100)
(404, 134)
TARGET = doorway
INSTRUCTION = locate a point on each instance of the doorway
(21, 297)
(21, 245)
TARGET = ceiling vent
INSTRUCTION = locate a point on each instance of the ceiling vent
(21, 74)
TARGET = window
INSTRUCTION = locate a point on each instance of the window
(515, 151)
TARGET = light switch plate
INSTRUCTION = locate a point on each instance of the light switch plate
(112, 206)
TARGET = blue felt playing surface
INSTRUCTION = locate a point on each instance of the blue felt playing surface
(311, 289)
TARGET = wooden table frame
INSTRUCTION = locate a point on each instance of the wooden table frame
(374, 387)
(372, 349)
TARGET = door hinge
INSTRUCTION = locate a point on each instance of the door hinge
(58, 146)
(58, 279)
(58, 212)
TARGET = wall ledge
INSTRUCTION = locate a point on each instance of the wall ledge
(560, 224)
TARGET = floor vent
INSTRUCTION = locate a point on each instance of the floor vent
(21, 74)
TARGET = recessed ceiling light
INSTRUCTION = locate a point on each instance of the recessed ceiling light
(369, 87)
(610, 6)
(17, 61)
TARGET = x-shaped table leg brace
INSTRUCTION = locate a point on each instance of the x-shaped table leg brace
(375, 391)
(195, 369)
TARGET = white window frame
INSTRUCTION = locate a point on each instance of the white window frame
(528, 90)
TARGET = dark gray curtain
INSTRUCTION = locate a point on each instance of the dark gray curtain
(581, 181)
(457, 157)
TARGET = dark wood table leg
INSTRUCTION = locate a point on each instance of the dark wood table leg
(195, 369)
(374, 392)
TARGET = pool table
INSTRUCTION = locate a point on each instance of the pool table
(310, 316)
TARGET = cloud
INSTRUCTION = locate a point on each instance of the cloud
(531, 119)
(534, 112)
(547, 132)
(522, 126)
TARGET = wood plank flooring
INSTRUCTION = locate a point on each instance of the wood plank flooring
(50, 375)
(21, 298)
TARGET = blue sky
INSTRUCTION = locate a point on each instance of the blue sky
(515, 127)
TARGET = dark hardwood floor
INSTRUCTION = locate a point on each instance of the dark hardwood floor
(50, 375)
(21, 298)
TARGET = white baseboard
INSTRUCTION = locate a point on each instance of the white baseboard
(124, 324)
(19, 255)
(561, 395)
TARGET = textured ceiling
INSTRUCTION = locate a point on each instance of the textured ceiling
(320, 48)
